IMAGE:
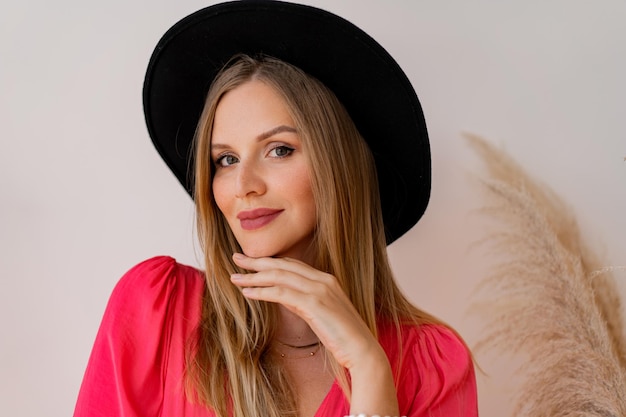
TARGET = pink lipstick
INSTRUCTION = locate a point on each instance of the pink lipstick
(257, 218)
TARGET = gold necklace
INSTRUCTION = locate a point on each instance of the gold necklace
(317, 345)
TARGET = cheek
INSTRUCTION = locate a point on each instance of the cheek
(304, 196)
(220, 195)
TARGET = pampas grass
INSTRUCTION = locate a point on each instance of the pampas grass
(548, 299)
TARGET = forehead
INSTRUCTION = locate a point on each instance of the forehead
(249, 110)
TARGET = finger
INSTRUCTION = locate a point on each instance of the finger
(265, 263)
(312, 309)
(282, 295)
(324, 307)
(282, 278)
(287, 264)
(307, 298)
(337, 325)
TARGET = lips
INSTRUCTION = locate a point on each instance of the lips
(257, 218)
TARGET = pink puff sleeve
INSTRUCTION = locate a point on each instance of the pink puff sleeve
(136, 366)
(442, 376)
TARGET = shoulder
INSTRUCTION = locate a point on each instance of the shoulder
(155, 275)
(427, 343)
(154, 287)
(138, 358)
(437, 344)
(435, 369)
(155, 272)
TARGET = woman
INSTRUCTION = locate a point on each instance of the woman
(297, 312)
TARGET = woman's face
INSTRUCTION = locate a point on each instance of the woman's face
(262, 181)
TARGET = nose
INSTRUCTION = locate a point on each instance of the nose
(249, 180)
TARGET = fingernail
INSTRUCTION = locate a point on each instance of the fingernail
(239, 256)
(236, 277)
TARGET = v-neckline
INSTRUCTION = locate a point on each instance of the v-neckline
(330, 400)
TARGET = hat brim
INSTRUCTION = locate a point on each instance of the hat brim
(365, 78)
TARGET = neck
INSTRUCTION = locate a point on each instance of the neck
(292, 330)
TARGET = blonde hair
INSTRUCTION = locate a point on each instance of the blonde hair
(229, 368)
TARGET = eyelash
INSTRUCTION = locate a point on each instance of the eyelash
(219, 159)
(289, 149)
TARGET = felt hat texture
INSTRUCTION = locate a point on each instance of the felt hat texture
(365, 78)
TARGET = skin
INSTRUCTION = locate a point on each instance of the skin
(260, 163)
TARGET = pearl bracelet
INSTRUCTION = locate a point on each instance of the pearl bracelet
(365, 415)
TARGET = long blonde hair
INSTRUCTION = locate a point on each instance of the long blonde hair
(229, 369)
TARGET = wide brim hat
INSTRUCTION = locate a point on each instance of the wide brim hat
(365, 78)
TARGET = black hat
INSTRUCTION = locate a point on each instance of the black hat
(365, 78)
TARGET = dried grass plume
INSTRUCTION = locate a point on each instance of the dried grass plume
(545, 301)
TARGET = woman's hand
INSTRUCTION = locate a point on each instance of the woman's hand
(317, 298)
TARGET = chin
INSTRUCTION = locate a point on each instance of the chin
(273, 248)
(258, 251)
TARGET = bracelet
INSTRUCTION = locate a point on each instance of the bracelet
(365, 415)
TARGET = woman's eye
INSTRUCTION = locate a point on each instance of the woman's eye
(281, 151)
(226, 160)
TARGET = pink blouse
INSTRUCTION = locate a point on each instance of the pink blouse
(137, 363)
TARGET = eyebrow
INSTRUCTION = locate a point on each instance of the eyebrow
(274, 131)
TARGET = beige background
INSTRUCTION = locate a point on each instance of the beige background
(83, 195)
